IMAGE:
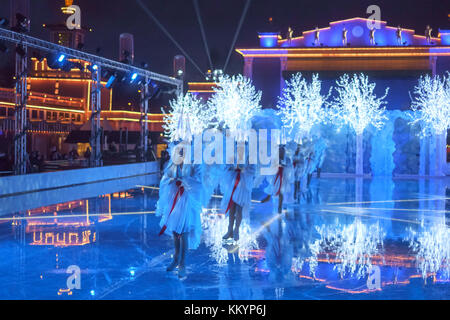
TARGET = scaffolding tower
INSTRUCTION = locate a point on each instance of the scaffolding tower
(20, 111)
(24, 42)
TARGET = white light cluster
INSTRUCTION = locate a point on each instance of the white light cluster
(187, 116)
(354, 244)
(235, 101)
(432, 249)
(215, 226)
(300, 106)
(431, 104)
(357, 105)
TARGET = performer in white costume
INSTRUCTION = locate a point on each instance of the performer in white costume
(299, 168)
(236, 185)
(179, 206)
(281, 185)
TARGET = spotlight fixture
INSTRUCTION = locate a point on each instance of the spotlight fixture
(59, 61)
(112, 79)
(92, 68)
(133, 77)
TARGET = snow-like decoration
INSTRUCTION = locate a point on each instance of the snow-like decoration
(187, 116)
(215, 226)
(431, 104)
(356, 104)
(432, 249)
(235, 101)
(354, 245)
(301, 106)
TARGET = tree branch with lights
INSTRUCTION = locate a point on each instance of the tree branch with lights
(357, 106)
(301, 106)
(235, 101)
(187, 116)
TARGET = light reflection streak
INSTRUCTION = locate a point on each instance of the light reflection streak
(387, 201)
(358, 214)
(77, 215)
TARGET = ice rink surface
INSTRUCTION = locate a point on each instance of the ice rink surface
(345, 238)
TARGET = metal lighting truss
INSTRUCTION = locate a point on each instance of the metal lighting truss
(26, 41)
(144, 120)
(20, 125)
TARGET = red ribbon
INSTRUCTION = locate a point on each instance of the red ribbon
(236, 182)
(279, 175)
(177, 195)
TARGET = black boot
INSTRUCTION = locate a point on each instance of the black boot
(280, 203)
(238, 223)
(174, 264)
(183, 250)
(229, 234)
(318, 172)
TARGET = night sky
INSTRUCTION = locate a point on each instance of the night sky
(109, 18)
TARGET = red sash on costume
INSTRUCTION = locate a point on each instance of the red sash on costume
(279, 175)
(236, 182)
(177, 195)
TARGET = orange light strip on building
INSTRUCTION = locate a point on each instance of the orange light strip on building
(45, 108)
(332, 52)
(345, 55)
(357, 18)
(320, 29)
(423, 37)
(394, 48)
(63, 79)
(134, 112)
(269, 36)
(296, 38)
(133, 120)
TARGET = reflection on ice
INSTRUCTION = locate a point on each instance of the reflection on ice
(431, 245)
(352, 244)
(214, 226)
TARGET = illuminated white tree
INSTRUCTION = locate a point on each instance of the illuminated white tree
(187, 116)
(301, 106)
(235, 101)
(431, 106)
(357, 106)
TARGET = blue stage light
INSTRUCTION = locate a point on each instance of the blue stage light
(134, 76)
(61, 57)
(110, 82)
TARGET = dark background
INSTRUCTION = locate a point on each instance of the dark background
(109, 18)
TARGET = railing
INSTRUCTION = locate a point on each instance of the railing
(7, 95)
(7, 125)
